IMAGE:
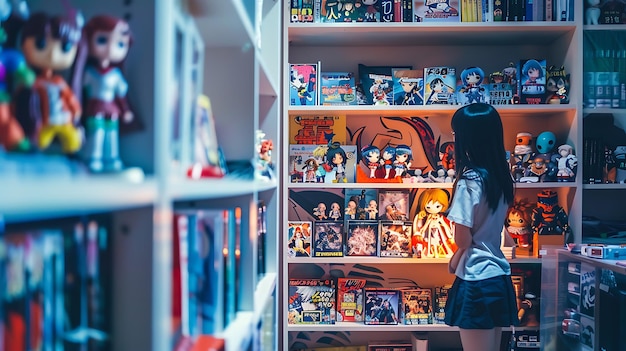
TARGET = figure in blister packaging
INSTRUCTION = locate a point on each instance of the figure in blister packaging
(49, 44)
(104, 46)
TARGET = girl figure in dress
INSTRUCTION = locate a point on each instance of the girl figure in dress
(433, 226)
(371, 158)
(402, 160)
(482, 299)
(98, 75)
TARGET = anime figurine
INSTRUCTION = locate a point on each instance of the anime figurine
(49, 45)
(446, 155)
(537, 169)
(471, 79)
(14, 68)
(518, 224)
(450, 176)
(392, 213)
(557, 86)
(372, 210)
(99, 78)
(263, 162)
(521, 154)
(545, 142)
(351, 209)
(431, 225)
(371, 158)
(310, 170)
(566, 163)
(548, 217)
(592, 11)
(439, 178)
(386, 160)
(336, 160)
(320, 211)
(402, 160)
(335, 211)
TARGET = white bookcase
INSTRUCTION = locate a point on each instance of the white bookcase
(228, 50)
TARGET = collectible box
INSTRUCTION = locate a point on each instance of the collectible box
(328, 239)
(417, 306)
(527, 340)
(394, 205)
(361, 204)
(436, 11)
(337, 89)
(532, 81)
(377, 83)
(501, 93)
(439, 85)
(317, 130)
(472, 86)
(303, 84)
(381, 306)
(395, 238)
(408, 87)
(439, 303)
(311, 301)
(310, 164)
(350, 299)
(362, 238)
(299, 242)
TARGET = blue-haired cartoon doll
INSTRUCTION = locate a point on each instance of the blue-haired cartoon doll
(371, 158)
(471, 79)
(388, 156)
(402, 160)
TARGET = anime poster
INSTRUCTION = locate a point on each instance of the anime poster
(381, 306)
(303, 84)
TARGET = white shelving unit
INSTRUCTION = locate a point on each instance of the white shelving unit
(342, 46)
(233, 47)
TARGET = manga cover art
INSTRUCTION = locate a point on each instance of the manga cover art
(394, 205)
(417, 306)
(362, 238)
(328, 239)
(439, 303)
(303, 84)
(439, 85)
(408, 87)
(299, 243)
(395, 238)
(311, 301)
(350, 299)
(381, 306)
(532, 80)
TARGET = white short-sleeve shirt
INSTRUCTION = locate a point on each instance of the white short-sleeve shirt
(484, 258)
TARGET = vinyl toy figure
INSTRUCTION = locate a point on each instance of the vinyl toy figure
(566, 163)
(371, 158)
(49, 45)
(472, 78)
(105, 44)
(402, 160)
(548, 217)
(336, 160)
(518, 224)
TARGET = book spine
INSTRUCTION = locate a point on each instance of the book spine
(528, 13)
(397, 11)
(548, 10)
(407, 10)
(317, 11)
(498, 10)
(386, 10)
(295, 11)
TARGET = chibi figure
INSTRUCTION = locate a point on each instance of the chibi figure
(372, 210)
(440, 176)
(371, 157)
(263, 163)
(49, 45)
(14, 68)
(472, 78)
(320, 211)
(336, 160)
(510, 74)
(521, 154)
(310, 170)
(351, 209)
(518, 224)
(402, 160)
(432, 226)
(335, 211)
(98, 75)
(548, 217)
(536, 171)
(386, 160)
(566, 163)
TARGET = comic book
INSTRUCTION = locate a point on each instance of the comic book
(377, 83)
(439, 303)
(532, 81)
(350, 299)
(381, 306)
(408, 87)
(361, 204)
(337, 89)
(361, 238)
(303, 84)
(317, 130)
(311, 301)
(328, 238)
(472, 86)
(395, 238)
(394, 205)
(310, 164)
(301, 11)
(439, 85)
(417, 306)
(436, 11)
(299, 238)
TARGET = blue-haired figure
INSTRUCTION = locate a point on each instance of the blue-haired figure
(403, 158)
(336, 159)
(472, 78)
(371, 158)
(389, 154)
(531, 72)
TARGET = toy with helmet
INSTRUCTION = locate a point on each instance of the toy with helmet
(548, 218)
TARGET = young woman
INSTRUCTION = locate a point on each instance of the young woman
(482, 299)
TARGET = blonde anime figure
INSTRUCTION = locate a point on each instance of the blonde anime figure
(432, 225)
(372, 210)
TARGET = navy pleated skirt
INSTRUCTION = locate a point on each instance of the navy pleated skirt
(483, 304)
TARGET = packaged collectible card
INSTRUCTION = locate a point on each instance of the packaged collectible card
(381, 306)
(395, 238)
(362, 238)
(350, 299)
(328, 239)
(311, 301)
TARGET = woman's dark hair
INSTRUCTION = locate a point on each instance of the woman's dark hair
(479, 145)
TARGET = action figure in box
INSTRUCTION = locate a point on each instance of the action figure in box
(548, 217)
(98, 77)
(49, 45)
(518, 224)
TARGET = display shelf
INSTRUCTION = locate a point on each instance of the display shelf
(448, 110)
(389, 260)
(352, 34)
(612, 186)
(605, 27)
(565, 255)
(369, 185)
(360, 327)
(587, 111)
(268, 86)
(188, 189)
